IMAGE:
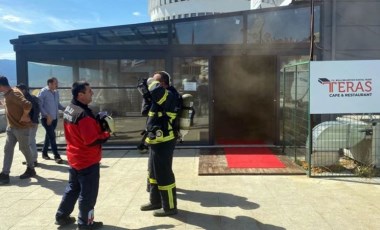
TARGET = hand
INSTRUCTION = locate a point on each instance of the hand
(49, 120)
(25, 119)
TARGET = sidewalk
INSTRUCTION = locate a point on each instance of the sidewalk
(204, 202)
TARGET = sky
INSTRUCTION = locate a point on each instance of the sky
(22, 17)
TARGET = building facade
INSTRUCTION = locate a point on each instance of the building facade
(259, 4)
(161, 10)
(234, 77)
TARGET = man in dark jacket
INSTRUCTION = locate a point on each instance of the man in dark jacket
(34, 116)
(84, 137)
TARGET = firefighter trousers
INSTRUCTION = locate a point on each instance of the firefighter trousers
(161, 176)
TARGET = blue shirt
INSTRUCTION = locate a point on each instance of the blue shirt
(49, 103)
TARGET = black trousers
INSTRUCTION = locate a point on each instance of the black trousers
(83, 186)
(50, 138)
(161, 176)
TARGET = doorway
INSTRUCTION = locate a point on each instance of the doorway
(244, 90)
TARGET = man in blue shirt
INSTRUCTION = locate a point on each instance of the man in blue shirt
(49, 106)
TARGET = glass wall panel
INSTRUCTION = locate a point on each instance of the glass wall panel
(190, 76)
(138, 35)
(285, 26)
(114, 84)
(227, 30)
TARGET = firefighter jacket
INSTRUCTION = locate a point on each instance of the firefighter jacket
(84, 136)
(161, 116)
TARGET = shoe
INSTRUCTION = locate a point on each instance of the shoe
(149, 206)
(46, 157)
(35, 163)
(65, 221)
(161, 212)
(4, 178)
(28, 173)
(94, 225)
(58, 160)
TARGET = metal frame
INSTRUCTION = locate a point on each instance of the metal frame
(37, 48)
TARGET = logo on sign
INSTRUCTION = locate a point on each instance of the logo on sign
(347, 87)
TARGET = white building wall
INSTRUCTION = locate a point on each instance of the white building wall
(158, 10)
(258, 4)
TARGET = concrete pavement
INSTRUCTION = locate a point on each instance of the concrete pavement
(204, 202)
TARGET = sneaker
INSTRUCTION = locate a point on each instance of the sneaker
(4, 178)
(161, 212)
(28, 173)
(46, 157)
(94, 225)
(149, 206)
(65, 221)
(35, 163)
(58, 160)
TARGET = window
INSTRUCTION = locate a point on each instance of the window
(211, 31)
(113, 83)
(269, 27)
(190, 76)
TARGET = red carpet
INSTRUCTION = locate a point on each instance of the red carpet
(251, 157)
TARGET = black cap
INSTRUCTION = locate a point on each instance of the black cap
(22, 86)
(4, 81)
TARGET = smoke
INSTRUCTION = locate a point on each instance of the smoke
(244, 94)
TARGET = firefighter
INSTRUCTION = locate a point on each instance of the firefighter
(162, 141)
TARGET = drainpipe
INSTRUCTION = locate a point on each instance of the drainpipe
(311, 57)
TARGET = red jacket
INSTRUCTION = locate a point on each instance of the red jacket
(84, 136)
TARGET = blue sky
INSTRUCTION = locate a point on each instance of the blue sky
(21, 17)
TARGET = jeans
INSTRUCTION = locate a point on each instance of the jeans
(21, 136)
(32, 141)
(83, 186)
(50, 138)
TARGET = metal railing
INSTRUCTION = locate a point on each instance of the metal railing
(340, 144)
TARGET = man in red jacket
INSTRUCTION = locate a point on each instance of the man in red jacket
(84, 137)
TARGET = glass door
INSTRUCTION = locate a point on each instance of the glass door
(191, 76)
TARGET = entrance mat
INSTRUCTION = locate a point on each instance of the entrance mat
(214, 162)
(258, 157)
(254, 155)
